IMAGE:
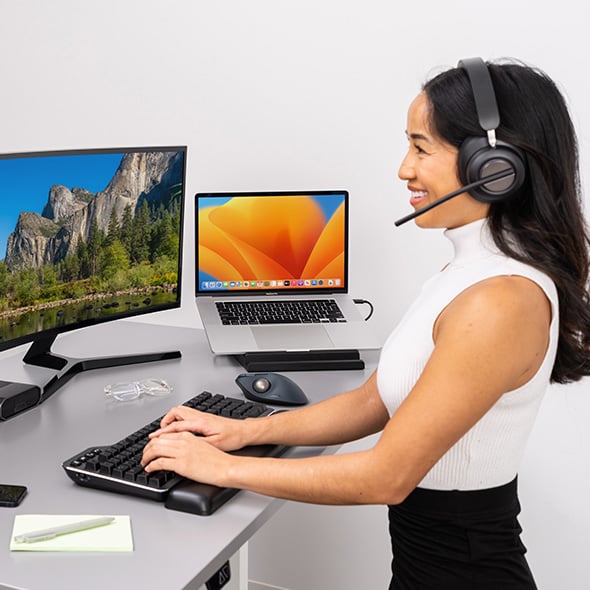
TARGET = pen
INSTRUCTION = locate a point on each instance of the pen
(65, 529)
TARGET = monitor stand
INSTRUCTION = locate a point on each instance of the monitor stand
(39, 354)
(317, 360)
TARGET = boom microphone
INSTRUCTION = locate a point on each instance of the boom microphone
(464, 189)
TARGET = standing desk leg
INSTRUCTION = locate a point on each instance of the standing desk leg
(243, 567)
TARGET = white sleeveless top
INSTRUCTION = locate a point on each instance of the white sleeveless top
(489, 454)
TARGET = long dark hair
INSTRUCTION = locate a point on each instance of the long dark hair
(543, 225)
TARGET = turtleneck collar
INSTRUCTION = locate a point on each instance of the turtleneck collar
(471, 241)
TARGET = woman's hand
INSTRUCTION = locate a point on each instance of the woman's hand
(188, 455)
(227, 434)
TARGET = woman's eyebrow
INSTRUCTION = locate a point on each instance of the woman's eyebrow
(418, 136)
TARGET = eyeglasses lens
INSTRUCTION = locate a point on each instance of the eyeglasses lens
(123, 391)
(154, 387)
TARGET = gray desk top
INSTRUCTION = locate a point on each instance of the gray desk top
(179, 549)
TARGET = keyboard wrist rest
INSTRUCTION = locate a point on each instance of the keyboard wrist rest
(204, 499)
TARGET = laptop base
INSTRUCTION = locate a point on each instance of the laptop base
(317, 360)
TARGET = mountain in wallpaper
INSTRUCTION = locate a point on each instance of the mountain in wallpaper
(70, 214)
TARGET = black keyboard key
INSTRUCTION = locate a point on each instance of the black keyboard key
(157, 479)
(131, 474)
(142, 477)
(105, 468)
(93, 465)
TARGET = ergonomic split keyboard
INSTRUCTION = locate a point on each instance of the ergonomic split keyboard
(117, 467)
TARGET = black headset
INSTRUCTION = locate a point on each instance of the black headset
(480, 157)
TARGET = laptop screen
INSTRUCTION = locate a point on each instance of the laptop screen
(272, 242)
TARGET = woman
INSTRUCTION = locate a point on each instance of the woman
(460, 379)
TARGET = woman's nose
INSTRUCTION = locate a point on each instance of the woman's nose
(406, 170)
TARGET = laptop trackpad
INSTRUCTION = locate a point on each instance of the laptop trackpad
(291, 338)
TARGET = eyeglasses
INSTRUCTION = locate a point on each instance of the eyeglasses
(125, 392)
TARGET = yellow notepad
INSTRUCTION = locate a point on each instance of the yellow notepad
(115, 536)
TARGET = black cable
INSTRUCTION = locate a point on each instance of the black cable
(360, 301)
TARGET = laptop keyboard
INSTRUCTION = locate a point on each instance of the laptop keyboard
(117, 468)
(311, 311)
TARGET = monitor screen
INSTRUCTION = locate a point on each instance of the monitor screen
(88, 236)
(279, 242)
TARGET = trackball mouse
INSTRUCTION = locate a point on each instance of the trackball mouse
(271, 388)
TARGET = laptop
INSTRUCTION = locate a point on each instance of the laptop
(276, 248)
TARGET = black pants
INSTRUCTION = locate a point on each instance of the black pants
(459, 541)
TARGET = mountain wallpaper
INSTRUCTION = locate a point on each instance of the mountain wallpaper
(69, 214)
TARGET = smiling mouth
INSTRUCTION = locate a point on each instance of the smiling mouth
(417, 197)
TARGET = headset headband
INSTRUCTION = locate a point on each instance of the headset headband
(484, 95)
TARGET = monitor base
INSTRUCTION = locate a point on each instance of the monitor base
(39, 354)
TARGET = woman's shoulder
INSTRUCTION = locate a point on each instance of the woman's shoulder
(503, 292)
(501, 303)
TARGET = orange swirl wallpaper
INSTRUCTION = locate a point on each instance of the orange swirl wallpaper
(249, 240)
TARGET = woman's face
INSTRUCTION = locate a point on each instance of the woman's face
(430, 170)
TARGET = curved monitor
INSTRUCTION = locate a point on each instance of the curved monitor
(87, 237)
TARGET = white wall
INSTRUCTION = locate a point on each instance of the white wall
(270, 94)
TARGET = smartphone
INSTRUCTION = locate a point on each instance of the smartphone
(11, 495)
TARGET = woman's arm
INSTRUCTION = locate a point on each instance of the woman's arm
(490, 340)
(339, 419)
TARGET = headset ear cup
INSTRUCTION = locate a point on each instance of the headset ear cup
(478, 160)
